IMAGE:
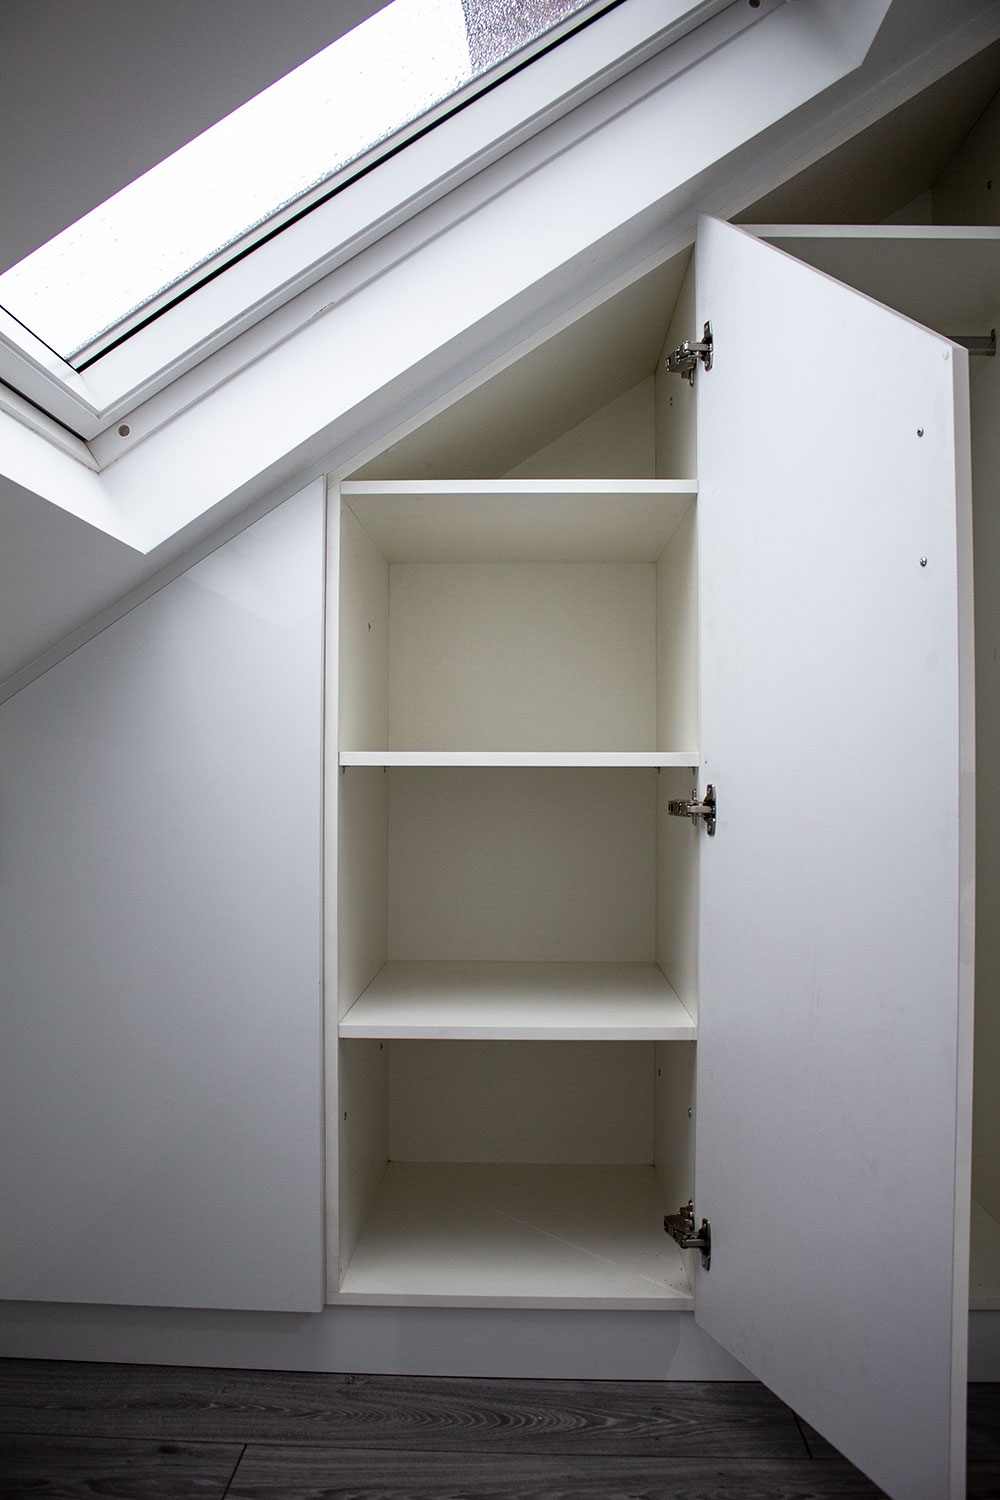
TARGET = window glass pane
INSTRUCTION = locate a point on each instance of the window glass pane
(290, 139)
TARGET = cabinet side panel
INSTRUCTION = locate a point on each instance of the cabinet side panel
(362, 881)
(161, 933)
(331, 890)
(677, 853)
(985, 395)
(364, 635)
(556, 1102)
(673, 1133)
(677, 638)
(676, 435)
(364, 1140)
(537, 864)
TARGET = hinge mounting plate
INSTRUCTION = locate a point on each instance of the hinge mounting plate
(693, 809)
(680, 1226)
(684, 359)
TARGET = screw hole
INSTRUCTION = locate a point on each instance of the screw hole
(920, 432)
(754, 4)
(124, 430)
(989, 185)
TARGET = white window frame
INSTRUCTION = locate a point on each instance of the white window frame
(37, 386)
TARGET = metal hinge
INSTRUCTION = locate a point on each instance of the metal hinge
(684, 359)
(693, 809)
(680, 1226)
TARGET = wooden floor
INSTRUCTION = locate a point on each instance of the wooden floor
(132, 1432)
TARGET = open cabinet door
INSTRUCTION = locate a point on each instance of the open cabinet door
(834, 1050)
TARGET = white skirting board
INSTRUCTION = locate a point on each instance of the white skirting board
(476, 1342)
(514, 1343)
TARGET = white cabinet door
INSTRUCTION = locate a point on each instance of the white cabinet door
(160, 928)
(835, 1030)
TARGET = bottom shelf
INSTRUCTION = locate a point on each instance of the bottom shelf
(500, 1235)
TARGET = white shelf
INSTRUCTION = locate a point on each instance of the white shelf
(530, 520)
(520, 1001)
(472, 1235)
(984, 1269)
(597, 758)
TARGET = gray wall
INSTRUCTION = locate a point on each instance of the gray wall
(95, 92)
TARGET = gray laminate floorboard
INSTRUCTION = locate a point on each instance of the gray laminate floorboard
(41, 1467)
(642, 1418)
(317, 1474)
(984, 1423)
(128, 1432)
(984, 1481)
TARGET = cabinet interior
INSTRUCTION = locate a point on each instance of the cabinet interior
(491, 619)
(516, 919)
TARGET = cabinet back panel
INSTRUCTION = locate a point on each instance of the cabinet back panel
(512, 656)
(616, 442)
(541, 1102)
(536, 864)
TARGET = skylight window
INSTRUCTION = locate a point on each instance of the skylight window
(261, 165)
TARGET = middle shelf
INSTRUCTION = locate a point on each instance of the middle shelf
(520, 1001)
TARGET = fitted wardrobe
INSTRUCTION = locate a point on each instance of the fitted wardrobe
(602, 811)
(655, 803)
